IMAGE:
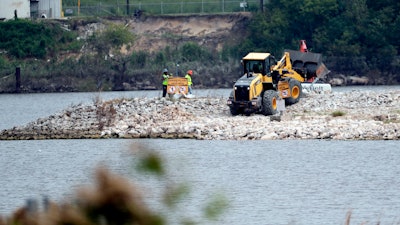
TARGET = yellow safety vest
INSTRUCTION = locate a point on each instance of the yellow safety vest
(165, 81)
(189, 79)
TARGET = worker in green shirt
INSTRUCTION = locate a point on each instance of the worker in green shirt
(189, 79)
(165, 77)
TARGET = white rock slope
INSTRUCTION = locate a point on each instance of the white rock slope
(356, 115)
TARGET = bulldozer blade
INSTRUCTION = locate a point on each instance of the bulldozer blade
(308, 64)
(322, 71)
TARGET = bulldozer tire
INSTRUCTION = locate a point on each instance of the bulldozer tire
(295, 90)
(234, 111)
(269, 103)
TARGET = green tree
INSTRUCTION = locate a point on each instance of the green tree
(107, 44)
(26, 39)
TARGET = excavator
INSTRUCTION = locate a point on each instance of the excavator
(266, 80)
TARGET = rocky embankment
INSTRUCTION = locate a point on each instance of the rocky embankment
(355, 115)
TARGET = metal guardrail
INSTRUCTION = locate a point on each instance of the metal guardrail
(161, 8)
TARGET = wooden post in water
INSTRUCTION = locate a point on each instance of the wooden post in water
(17, 79)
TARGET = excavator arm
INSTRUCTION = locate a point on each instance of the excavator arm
(283, 63)
(284, 68)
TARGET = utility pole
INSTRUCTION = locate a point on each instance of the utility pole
(262, 5)
(127, 7)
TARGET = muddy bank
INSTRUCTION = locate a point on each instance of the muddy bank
(356, 115)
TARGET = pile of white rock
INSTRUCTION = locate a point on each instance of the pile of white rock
(354, 115)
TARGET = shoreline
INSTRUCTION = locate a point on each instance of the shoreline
(354, 115)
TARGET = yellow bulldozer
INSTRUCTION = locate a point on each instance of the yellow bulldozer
(266, 80)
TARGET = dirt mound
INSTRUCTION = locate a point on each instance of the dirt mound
(211, 31)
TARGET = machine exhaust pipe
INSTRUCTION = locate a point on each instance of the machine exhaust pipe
(303, 46)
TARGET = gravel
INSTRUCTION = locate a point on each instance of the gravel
(355, 115)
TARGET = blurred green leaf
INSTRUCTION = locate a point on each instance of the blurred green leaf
(216, 207)
(175, 194)
(151, 162)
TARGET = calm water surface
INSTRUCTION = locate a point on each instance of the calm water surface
(267, 182)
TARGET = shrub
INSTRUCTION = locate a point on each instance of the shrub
(338, 113)
(26, 39)
(193, 52)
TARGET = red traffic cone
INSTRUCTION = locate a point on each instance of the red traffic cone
(303, 46)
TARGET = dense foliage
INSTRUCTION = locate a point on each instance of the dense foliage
(356, 36)
(25, 39)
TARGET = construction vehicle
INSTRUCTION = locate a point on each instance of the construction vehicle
(266, 80)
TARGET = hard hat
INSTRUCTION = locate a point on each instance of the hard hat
(190, 72)
(165, 70)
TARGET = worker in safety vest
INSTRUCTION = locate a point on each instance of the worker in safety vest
(189, 79)
(165, 77)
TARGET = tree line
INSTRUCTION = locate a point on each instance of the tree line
(357, 37)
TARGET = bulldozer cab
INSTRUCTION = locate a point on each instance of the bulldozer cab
(256, 62)
(253, 66)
